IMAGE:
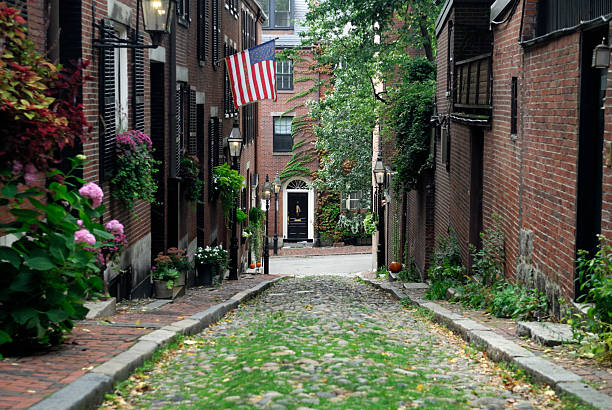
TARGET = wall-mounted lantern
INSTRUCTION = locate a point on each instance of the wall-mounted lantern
(601, 55)
(157, 16)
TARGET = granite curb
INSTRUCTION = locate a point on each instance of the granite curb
(498, 348)
(88, 391)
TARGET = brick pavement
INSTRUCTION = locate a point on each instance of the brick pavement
(321, 251)
(26, 380)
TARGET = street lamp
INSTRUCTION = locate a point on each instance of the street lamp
(267, 193)
(157, 16)
(379, 176)
(235, 148)
(601, 55)
(277, 187)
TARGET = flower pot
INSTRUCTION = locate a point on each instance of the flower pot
(161, 289)
(205, 274)
(180, 281)
(395, 267)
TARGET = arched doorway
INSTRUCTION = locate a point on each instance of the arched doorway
(298, 211)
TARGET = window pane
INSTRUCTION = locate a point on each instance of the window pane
(282, 19)
(282, 5)
(283, 142)
(265, 5)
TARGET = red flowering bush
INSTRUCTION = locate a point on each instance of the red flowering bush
(39, 110)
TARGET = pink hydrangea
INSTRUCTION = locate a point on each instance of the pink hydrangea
(80, 223)
(84, 236)
(115, 227)
(30, 174)
(93, 192)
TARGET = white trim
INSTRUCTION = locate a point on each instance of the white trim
(311, 205)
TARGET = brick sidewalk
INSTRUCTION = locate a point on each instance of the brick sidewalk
(26, 380)
(321, 251)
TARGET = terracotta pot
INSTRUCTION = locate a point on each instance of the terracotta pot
(252, 266)
(259, 264)
(395, 267)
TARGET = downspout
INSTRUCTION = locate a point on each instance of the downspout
(53, 32)
(172, 98)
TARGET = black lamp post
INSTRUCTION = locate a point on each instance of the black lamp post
(235, 148)
(157, 16)
(379, 177)
(277, 187)
(267, 193)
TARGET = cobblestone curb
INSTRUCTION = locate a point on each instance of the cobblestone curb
(88, 391)
(499, 348)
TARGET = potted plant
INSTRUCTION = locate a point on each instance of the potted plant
(164, 276)
(210, 262)
(181, 262)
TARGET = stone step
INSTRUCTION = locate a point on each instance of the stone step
(546, 333)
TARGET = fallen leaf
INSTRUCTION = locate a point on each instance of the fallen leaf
(419, 387)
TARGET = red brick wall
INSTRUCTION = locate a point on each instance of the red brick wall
(606, 206)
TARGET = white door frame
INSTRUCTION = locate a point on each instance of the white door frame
(311, 204)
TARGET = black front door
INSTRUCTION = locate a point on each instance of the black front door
(297, 216)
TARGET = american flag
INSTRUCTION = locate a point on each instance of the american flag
(252, 74)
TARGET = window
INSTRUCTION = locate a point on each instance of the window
(121, 82)
(182, 11)
(283, 141)
(514, 106)
(284, 75)
(353, 200)
(278, 12)
(232, 6)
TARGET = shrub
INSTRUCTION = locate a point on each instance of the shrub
(595, 275)
(488, 261)
(517, 302)
(133, 179)
(52, 266)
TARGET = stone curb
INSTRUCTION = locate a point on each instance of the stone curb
(499, 348)
(87, 392)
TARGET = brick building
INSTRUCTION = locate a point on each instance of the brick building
(295, 218)
(176, 93)
(523, 119)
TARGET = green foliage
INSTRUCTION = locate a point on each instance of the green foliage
(240, 215)
(303, 152)
(370, 223)
(135, 167)
(256, 231)
(446, 259)
(227, 184)
(437, 289)
(193, 185)
(410, 270)
(488, 261)
(47, 271)
(327, 215)
(595, 276)
(409, 123)
(517, 302)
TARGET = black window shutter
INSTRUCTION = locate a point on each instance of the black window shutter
(180, 107)
(107, 128)
(216, 30)
(219, 133)
(212, 157)
(201, 30)
(192, 145)
(139, 86)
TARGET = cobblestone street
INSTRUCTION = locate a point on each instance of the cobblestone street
(327, 342)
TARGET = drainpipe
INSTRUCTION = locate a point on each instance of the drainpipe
(53, 32)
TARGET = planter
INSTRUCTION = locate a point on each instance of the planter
(181, 280)
(161, 289)
(205, 274)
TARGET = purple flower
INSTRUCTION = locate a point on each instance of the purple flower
(30, 174)
(84, 236)
(17, 168)
(80, 223)
(115, 227)
(93, 192)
